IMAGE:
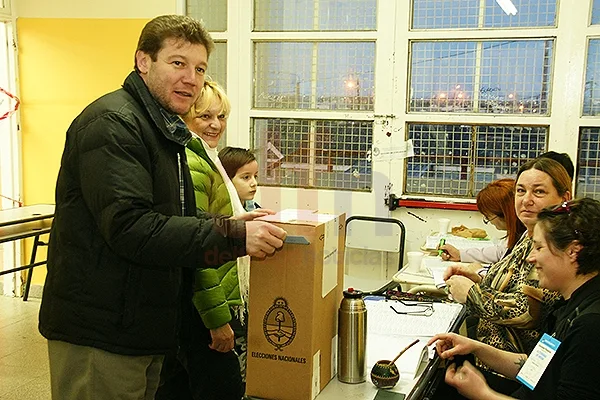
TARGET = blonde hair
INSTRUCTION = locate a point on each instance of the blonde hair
(211, 93)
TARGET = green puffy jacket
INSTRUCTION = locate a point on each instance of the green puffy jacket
(215, 290)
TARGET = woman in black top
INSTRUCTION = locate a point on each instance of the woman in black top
(566, 251)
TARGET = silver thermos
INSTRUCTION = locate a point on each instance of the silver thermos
(352, 337)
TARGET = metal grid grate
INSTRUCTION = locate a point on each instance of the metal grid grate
(499, 77)
(217, 64)
(459, 160)
(588, 163)
(314, 15)
(325, 76)
(465, 14)
(501, 150)
(591, 94)
(212, 12)
(326, 154)
(596, 12)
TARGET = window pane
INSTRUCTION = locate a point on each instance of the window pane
(444, 14)
(501, 77)
(501, 150)
(596, 12)
(442, 76)
(447, 14)
(591, 95)
(459, 160)
(315, 15)
(217, 64)
(329, 154)
(311, 75)
(530, 13)
(588, 164)
(347, 15)
(212, 12)
(441, 161)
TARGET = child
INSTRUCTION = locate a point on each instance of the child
(242, 168)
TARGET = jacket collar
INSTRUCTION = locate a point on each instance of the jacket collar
(197, 147)
(170, 125)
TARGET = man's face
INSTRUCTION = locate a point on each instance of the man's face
(177, 75)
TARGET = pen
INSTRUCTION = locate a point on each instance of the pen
(442, 242)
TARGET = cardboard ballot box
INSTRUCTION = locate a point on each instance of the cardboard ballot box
(294, 299)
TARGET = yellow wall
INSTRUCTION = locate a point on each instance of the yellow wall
(69, 53)
(64, 64)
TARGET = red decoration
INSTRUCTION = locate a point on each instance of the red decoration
(16, 107)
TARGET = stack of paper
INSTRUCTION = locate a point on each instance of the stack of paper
(386, 347)
(389, 332)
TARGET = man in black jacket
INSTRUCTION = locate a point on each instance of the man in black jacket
(125, 238)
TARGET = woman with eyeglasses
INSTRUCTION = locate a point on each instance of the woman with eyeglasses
(566, 250)
(496, 202)
(507, 300)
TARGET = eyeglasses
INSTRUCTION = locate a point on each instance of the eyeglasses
(487, 221)
(425, 309)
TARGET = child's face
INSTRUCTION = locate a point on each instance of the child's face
(245, 181)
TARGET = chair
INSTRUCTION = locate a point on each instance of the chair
(373, 234)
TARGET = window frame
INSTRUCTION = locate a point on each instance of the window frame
(10, 153)
(563, 99)
(573, 27)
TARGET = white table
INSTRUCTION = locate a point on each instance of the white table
(409, 279)
(411, 388)
(26, 222)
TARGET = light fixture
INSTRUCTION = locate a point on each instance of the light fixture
(507, 6)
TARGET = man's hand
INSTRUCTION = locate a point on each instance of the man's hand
(222, 339)
(263, 238)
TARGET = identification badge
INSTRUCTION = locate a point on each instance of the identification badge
(538, 361)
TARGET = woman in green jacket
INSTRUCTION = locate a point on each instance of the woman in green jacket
(211, 363)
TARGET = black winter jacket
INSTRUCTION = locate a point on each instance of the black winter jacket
(121, 253)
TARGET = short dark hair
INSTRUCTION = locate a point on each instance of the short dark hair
(234, 158)
(563, 159)
(576, 220)
(165, 27)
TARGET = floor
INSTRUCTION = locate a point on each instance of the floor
(24, 371)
